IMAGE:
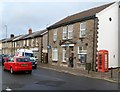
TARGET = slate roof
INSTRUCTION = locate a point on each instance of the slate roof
(79, 16)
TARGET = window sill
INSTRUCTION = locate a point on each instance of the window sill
(81, 63)
(64, 61)
(55, 60)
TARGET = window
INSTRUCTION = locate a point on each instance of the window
(55, 35)
(32, 42)
(82, 29)
(10, 59)
(64, 33)
(82, 58)
(64, 55)
(24, 43)
(37, 42)
(27, 42)
(22, 59)
(55, 54)
(15, 44)
(82, 54)
(70, 31)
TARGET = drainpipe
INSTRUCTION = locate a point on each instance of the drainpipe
(93, 62)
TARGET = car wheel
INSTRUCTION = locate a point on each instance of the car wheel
(11, 70)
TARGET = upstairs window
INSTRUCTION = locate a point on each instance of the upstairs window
(32, 42)
(82, 30)
(37, 42)
(55, 35)
(24, 43)
(64, 32)
(70, 31)
(27, 42)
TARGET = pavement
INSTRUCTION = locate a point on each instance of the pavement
(111, 76)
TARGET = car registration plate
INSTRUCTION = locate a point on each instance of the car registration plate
(24, 65)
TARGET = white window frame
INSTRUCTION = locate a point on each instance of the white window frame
(15, 44)
(63, 55)
(54, 51)
(32, 42)
(27, 42)
(36, 41)
(82, 29)
(70, 31)
(23, 42)
(65, 33)
(82, 50)
(55, 35)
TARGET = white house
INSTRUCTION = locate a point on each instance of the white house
(109, 33)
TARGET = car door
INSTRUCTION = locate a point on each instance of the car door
(6, 64)
(9, 63)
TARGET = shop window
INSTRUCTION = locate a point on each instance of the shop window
(55, 54)
(82, 54)
(64, 55)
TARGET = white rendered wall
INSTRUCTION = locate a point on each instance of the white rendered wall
(119, 34)
(108, 33)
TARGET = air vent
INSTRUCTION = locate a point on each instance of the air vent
(110, 19)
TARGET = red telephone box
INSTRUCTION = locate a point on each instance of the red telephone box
(102, 60)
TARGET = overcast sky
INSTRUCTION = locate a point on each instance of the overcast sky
(21, 15)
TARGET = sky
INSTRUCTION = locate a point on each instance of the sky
(17, 16)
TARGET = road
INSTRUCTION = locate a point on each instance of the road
(44, 79)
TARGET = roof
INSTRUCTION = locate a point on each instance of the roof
(88, 14)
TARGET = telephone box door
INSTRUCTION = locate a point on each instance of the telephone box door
(103, 60)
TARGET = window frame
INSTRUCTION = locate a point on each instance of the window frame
(63, 55)
(54, 51)
(64, 35)
(70, 30)
(82, 30)
(82, 52)
(55, 35)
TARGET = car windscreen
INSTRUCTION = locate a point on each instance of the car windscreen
(22, 59)
(28, 54)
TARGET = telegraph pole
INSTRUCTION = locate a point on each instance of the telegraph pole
(6, 30)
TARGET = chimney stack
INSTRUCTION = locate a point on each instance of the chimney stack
(30, 31)
(12, 36)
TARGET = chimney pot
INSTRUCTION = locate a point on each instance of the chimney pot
(12, 35)
(30, 31)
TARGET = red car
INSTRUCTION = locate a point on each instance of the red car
(14, 64)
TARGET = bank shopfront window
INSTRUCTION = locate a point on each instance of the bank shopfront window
(82, 54)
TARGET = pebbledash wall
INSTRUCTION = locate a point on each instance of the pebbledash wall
(108, 32)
